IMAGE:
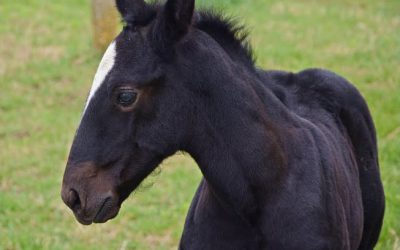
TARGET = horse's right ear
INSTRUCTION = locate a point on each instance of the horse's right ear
(173, 23)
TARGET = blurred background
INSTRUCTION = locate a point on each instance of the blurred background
(47, 62)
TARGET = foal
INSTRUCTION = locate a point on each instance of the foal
(289, 159)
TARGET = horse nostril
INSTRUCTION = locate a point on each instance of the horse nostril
(74, 201)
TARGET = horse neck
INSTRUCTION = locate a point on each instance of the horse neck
(238, 145)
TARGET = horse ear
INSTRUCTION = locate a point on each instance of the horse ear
(134, 12)
(173, 23)
(122, 7)
(126, 7)
(179, 15)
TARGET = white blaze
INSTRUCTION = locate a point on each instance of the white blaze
(106, 64)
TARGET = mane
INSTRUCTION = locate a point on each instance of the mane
(231, 35)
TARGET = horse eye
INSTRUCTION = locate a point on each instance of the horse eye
(126, 98)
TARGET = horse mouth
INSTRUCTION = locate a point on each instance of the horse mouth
(106, 211)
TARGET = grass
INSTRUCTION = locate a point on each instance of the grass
(46, 66)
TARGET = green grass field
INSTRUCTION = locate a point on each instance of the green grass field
(46, 67)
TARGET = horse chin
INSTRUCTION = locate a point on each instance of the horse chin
(105, 215)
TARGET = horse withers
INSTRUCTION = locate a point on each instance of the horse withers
(289, 160)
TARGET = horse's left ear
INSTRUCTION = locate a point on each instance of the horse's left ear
(134, 12)
(173, 22)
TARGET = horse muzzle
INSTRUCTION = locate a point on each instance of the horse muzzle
(89, 194)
